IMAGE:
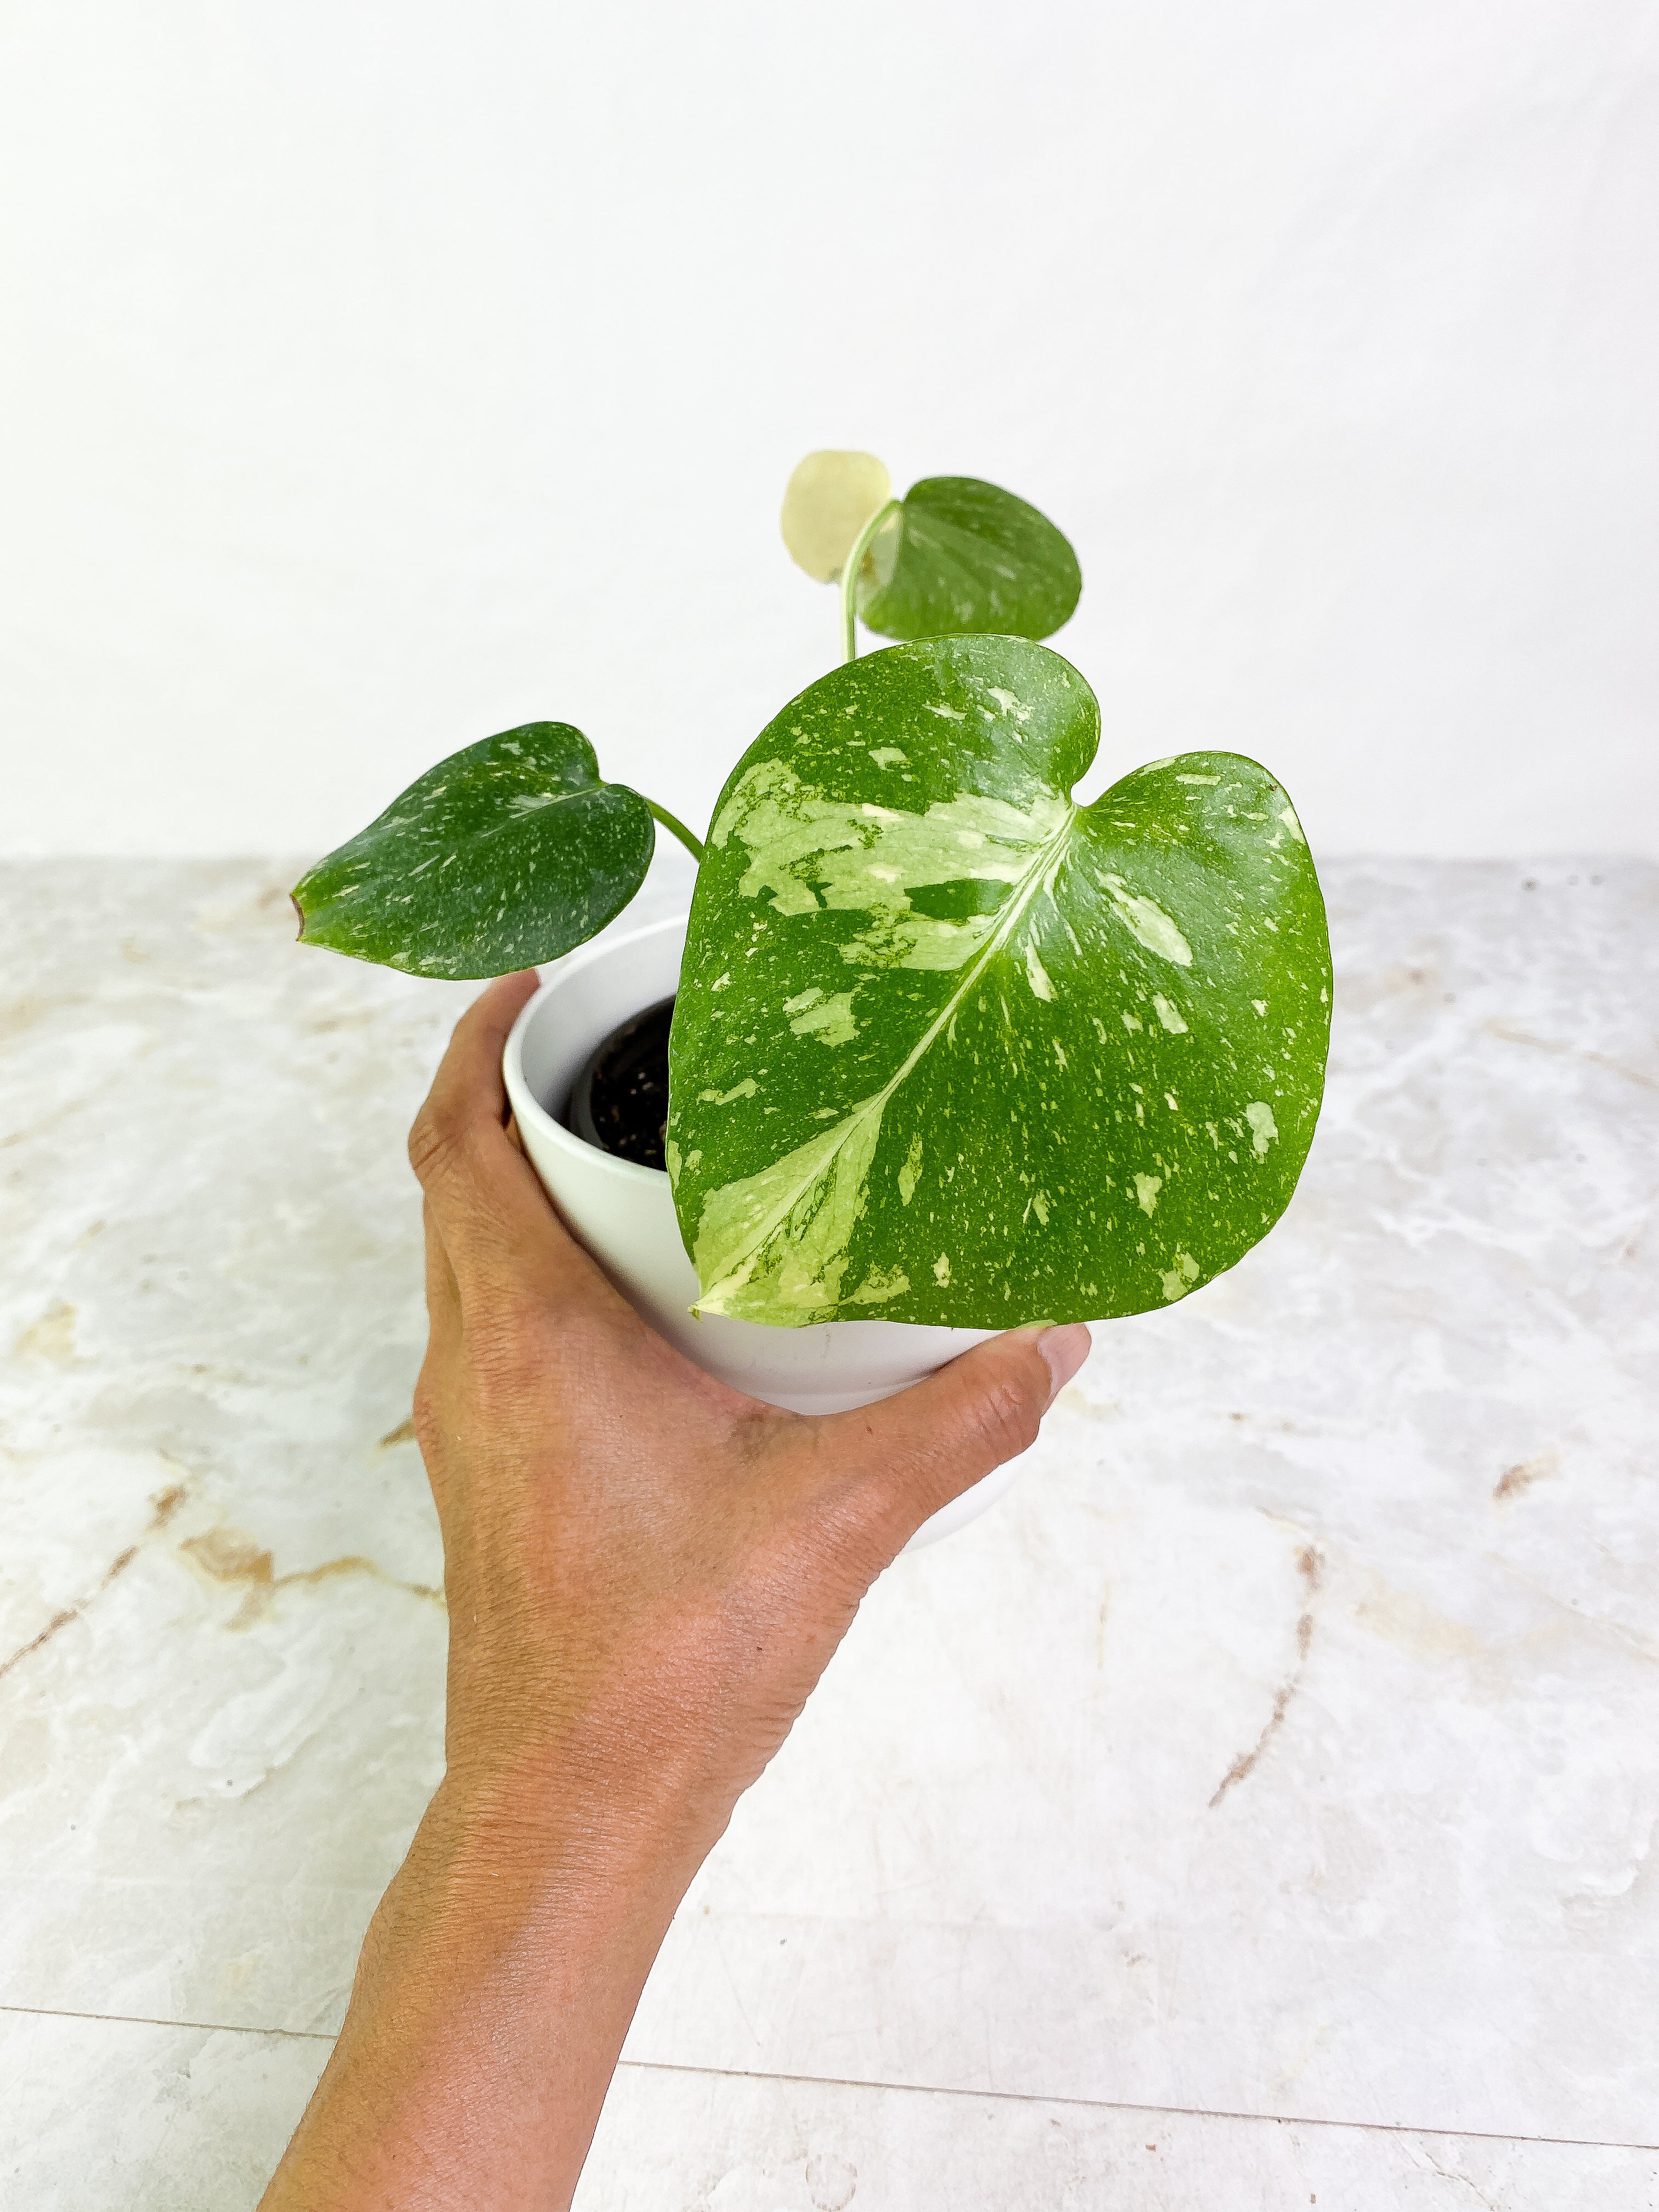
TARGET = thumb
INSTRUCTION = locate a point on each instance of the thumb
(929, 1443)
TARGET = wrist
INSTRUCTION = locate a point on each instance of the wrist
(504, 1832)
(604, 1777)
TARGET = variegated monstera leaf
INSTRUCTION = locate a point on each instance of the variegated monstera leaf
(961, 555)
(949, 1048)
(510, 851)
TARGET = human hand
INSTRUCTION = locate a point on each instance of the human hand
(646, 1573)
(648, 1570)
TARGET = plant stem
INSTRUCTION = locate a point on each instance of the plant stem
(850, 577)
(693, 845)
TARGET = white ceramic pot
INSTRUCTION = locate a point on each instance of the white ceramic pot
(624, 1214)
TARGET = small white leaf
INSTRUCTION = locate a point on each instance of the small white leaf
(829, 500)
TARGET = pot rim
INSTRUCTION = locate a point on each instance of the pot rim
(525, 1103)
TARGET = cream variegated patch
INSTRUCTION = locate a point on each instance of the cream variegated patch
(808, 852)
(779, 1238)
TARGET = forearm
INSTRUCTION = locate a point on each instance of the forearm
(497, 1981)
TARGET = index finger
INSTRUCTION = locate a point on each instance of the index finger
(458, 1146)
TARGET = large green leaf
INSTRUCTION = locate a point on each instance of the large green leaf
(508, 853)
(950, 1048)
(962, 556)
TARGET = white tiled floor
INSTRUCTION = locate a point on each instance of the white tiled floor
(1271, 1778)
(193, 2119)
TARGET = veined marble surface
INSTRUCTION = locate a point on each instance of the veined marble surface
(1257, 1808)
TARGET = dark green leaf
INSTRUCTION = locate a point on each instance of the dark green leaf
(964, 557)
(950, 1048)
(508, 853)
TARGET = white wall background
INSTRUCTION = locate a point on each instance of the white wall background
(379, 375)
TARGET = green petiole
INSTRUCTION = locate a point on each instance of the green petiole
(849, 575)
(693, 845)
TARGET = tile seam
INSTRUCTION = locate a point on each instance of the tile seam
(148, 2019)
(908, 2088)
(1124, 2104)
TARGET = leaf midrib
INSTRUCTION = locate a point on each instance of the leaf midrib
(378, 834)
(1026, 889)
(513, 821)
(944, 551)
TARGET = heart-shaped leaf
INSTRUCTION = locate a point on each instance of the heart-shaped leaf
(964, 557)
(508, 853)
(950, 1048)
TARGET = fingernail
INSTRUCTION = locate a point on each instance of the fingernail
(1065, 1349)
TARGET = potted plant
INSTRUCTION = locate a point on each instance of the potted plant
(937, 1051)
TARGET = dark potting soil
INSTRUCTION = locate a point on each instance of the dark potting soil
(620, 1101)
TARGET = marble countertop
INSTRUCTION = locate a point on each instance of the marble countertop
(1256, 1809)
